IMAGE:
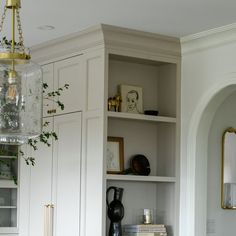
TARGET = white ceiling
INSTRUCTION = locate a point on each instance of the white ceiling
(170, 17)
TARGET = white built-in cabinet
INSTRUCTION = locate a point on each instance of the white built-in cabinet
(151, 62)
(53, 186)
(67, 187)
(153, 136)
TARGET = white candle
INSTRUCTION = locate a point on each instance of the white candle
(147, 216)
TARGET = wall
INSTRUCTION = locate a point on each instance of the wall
(208, 76)
(220, 222)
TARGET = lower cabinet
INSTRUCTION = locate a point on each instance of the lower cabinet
(9, 187)
(54, 195)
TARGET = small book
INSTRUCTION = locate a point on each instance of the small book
(144, 228)
(146, 234)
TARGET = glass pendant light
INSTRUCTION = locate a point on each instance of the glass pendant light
(20, 86)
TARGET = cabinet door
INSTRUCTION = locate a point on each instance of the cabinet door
(66, 174)
(70, 71)
(40, 186)
(48, 78)
(9, 191)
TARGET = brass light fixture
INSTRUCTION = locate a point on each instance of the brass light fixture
(20, 85)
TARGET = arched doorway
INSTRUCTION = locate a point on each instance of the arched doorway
(194, 191)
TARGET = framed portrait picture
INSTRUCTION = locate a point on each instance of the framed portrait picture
(132, 99)
(115, 155)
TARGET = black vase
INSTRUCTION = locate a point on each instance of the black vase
(115, 211)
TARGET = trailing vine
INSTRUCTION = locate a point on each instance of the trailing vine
(45, 136)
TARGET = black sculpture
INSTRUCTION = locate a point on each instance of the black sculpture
(115, 211)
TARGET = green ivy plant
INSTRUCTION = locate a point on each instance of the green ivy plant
(45, 136)
(8, 43)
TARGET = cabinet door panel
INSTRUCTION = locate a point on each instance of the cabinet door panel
(70, 71)
(40, 186)
(66, 180)
(48, 78)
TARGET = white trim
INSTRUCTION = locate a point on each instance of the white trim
(132, 116)
(208, 39)
(138, 33)
(117, 37)
(136, 178)
(70, 45)
(106, 36)
(187, 221)
(4, 183)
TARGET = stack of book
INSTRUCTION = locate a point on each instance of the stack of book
(145, 230)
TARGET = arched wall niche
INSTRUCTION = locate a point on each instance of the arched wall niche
(197, 153)
(221, 222)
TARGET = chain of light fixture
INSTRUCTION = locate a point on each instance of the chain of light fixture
(14, 6)
(3, 18)
(19, 27)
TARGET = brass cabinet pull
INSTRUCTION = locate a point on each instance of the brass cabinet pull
(52, 111)
(48, 219)
(51, 219)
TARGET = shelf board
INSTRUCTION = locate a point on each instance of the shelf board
(138, 178)
(131, 116)
(8, 230)
(5, 183)
(8, 207)
(7, 157)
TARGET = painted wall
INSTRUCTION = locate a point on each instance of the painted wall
(220, 222)
(208, 73)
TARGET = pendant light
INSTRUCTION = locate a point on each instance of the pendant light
(20, 85)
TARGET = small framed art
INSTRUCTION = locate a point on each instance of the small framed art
(115, 155)
(132, 99)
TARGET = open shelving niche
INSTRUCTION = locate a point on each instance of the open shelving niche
(9, 192)
(152, 136)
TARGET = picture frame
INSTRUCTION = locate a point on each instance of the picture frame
(132, 99)
(115, 155)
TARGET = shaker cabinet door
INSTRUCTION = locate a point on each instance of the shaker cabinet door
(70, 71)
(66, 174)
(40, 186)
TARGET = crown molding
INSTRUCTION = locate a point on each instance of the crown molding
(129, 39)
(208, 39)
(71, 45)
(106, 36)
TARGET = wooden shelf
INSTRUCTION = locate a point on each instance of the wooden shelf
(7, 183)
(8, 157)
(8, 230)
(8, 207)
(138, 178)
(131, 116)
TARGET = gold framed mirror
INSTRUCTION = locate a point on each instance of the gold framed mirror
(228, 171)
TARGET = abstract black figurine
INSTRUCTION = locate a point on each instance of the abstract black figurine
(115, 211)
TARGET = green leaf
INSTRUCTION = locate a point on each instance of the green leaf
(45, 136)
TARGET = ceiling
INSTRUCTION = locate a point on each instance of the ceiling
(170, 17)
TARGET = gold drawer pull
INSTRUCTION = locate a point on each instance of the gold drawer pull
(48, 219)
(52, 111)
